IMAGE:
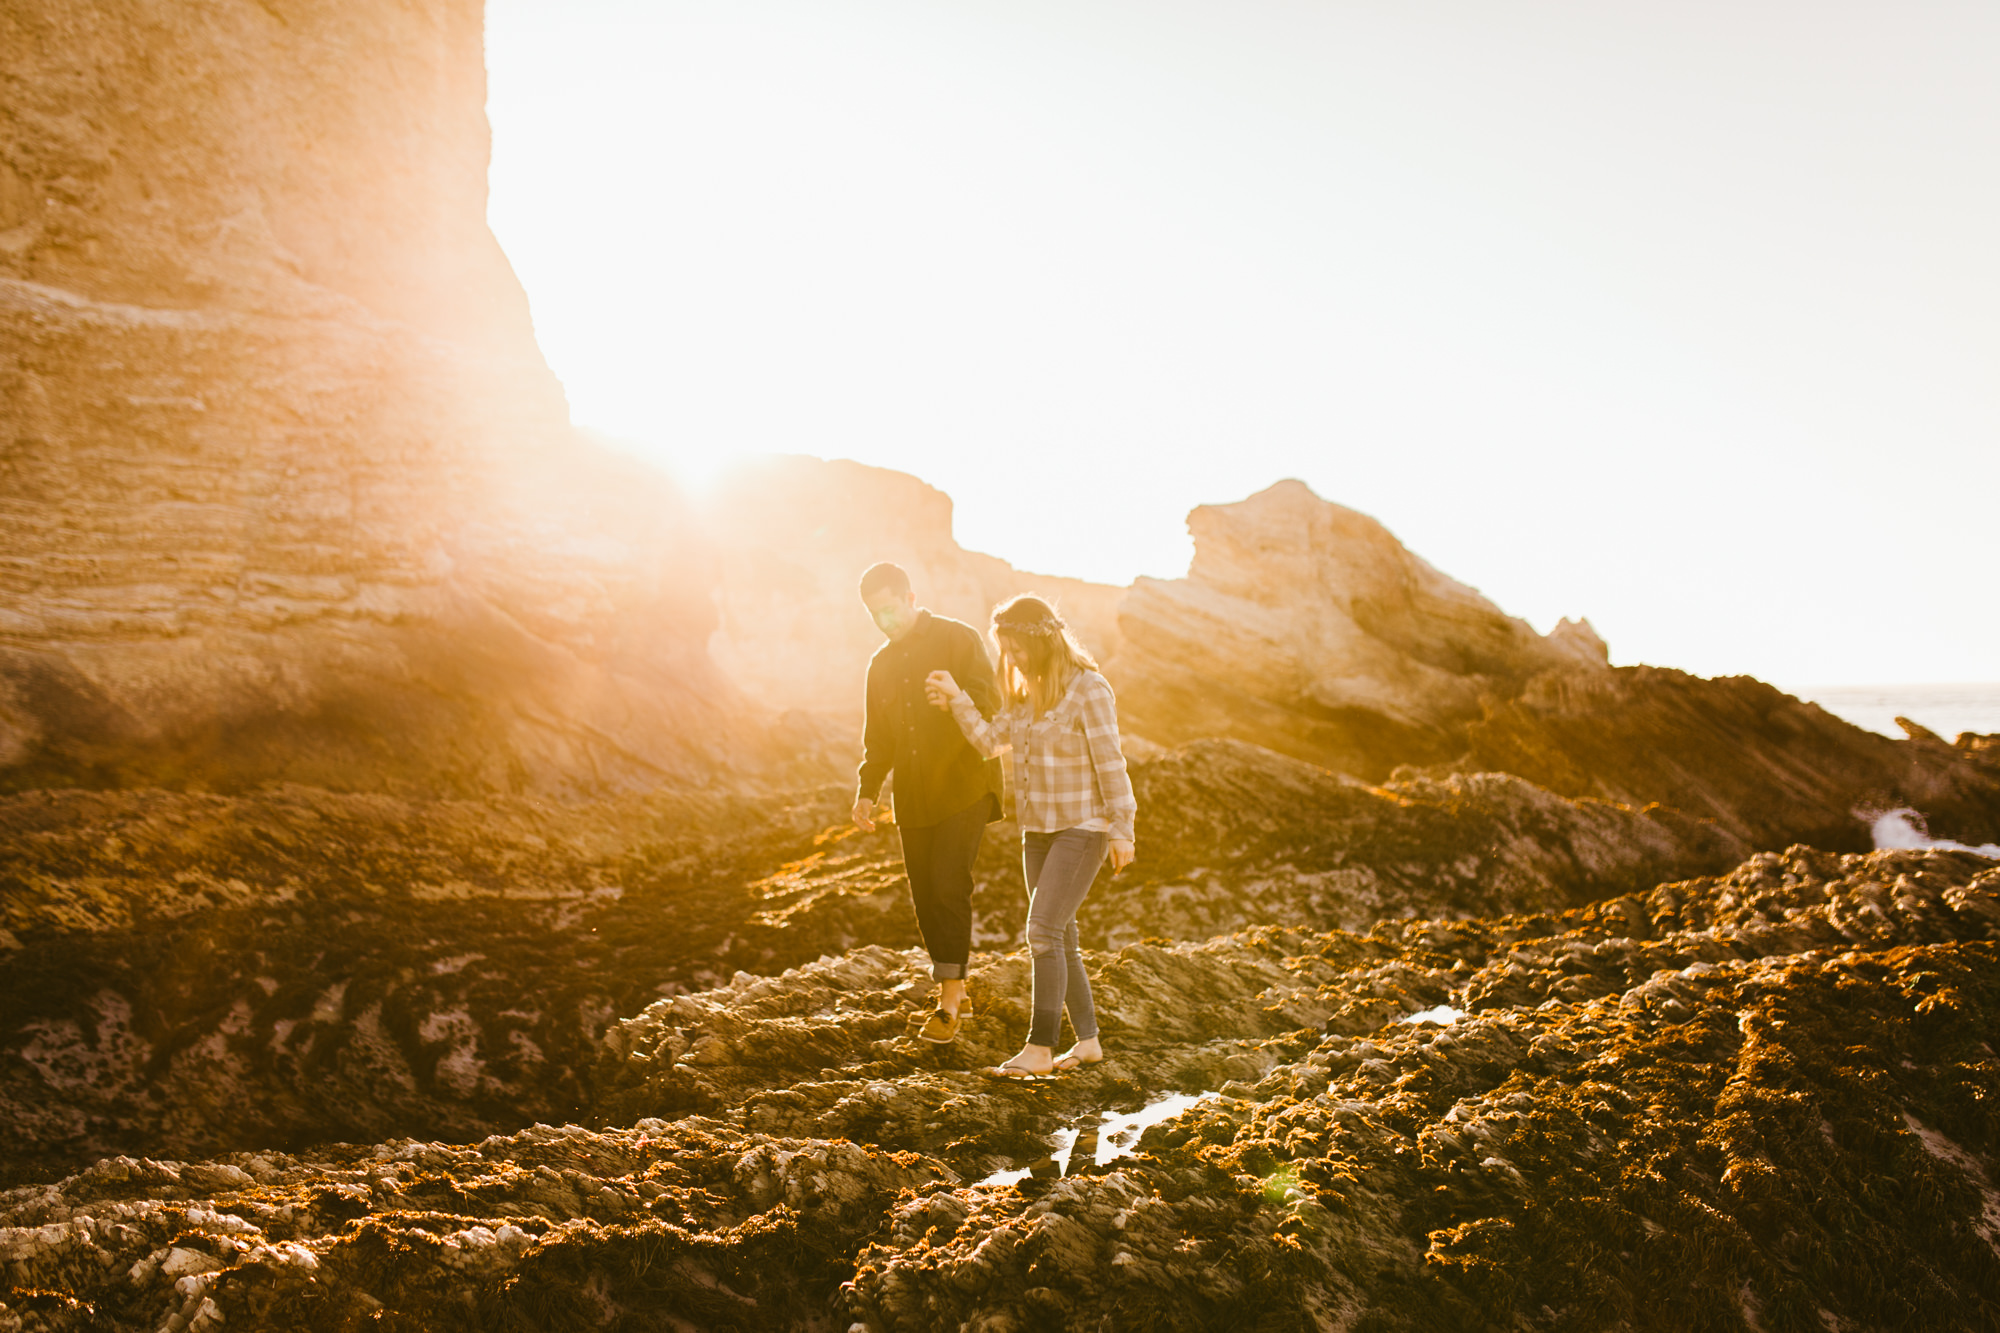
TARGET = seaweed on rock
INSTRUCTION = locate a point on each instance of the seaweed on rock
(188, 973)
(1762, 1100)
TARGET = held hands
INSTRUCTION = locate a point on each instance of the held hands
(941, 689)
(1122, 854)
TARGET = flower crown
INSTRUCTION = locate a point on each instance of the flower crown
(1047, 627)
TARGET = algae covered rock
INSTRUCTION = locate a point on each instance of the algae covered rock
(1754, 1100)
(190, 973)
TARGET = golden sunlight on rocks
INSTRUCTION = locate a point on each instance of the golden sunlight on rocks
(429, 898)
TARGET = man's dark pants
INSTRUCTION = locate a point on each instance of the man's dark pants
(939, 860)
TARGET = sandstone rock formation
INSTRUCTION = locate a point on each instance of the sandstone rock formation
(792, 536)
(1308, 628)
(288, 490)
(1751, 1101)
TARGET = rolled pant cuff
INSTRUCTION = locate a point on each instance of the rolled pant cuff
(947, 971)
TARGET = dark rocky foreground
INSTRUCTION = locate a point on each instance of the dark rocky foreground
(1759, 1101)
(186, 974)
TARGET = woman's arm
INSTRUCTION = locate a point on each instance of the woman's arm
(1100, 728)
(989, 738)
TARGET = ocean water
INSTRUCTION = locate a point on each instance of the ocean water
(1905, 829)
(1116, 1135)
(1945, 709)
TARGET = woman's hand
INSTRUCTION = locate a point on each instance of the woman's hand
(941, 689)
(1122, 854)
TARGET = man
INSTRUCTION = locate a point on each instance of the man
(945, 794)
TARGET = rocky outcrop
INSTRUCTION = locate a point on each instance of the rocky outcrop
(1758, 761)
(1745, 1101)
(1309, 629)
(184, 973)
(792, 536)
(288, 490)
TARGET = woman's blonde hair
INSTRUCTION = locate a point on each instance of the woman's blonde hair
(1039, 657)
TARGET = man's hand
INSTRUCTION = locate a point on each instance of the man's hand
(864, 815)
(941, 689)
(1122, 854)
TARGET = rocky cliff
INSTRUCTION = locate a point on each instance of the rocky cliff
(1307, 628)
(288, 490)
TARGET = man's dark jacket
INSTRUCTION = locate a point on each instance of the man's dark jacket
(937, 773)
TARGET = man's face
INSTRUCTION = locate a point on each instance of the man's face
(894, 613)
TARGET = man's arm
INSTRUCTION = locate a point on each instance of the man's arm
(878, 752)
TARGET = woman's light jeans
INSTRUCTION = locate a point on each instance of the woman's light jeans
(1059, 868)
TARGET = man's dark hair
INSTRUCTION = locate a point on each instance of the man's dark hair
(884, 575)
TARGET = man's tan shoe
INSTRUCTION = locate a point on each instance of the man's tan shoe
(941, 1027)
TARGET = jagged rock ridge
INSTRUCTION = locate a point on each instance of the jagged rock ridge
(1306, 627)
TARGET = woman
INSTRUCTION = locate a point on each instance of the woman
(1073, 801)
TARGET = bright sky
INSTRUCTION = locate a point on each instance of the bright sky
(1683, 316)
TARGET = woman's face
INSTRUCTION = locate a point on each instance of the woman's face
(1014, 653)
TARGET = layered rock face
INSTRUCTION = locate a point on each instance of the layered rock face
(1745, 1102)
(792, 536)
(1308, 628)
(289, 491)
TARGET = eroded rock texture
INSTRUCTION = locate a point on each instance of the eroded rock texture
(184, 973)
(288, 492)
(1754, 1101)
(1306, 627)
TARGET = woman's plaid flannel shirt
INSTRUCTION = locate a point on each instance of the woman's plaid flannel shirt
(1065, 767)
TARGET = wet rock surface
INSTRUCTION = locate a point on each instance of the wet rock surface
(188, 973)
(1757, 1100)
